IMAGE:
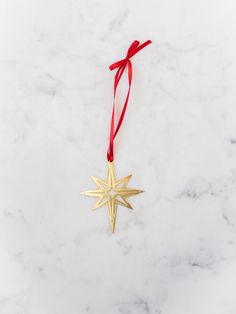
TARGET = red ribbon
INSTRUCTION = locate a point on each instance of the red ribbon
(121, 65)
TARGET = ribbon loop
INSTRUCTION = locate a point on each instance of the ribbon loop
(121, 66)
(133, 49)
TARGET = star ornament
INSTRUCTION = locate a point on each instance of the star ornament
(111, 193)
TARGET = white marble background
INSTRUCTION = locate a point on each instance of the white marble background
(176, 252)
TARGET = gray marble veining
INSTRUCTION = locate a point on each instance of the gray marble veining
(175, 253)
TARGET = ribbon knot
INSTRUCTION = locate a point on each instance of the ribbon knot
(120, 66)
(133, 49)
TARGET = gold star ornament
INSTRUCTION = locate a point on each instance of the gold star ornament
(111, 193)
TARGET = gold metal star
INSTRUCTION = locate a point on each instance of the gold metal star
(112, 193)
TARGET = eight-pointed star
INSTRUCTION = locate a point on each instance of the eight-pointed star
(112, 193)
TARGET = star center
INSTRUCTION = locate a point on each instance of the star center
(111, 193)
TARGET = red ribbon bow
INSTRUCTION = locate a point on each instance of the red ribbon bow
(121, 65)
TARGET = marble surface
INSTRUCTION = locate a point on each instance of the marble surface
(175, 253)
